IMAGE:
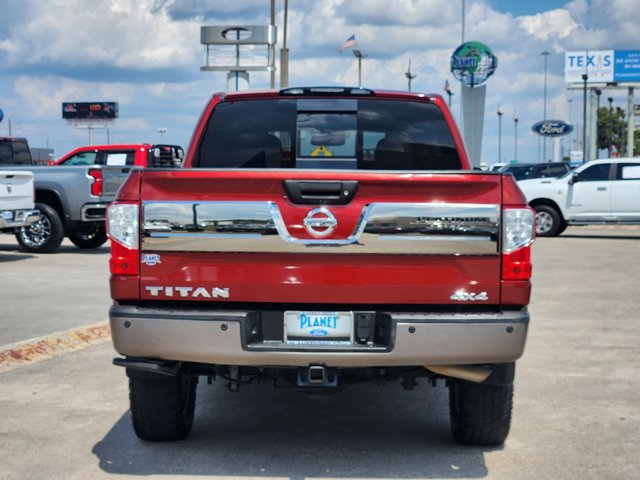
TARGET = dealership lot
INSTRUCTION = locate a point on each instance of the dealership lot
(577, 413)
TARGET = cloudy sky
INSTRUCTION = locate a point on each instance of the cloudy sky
(146, 55)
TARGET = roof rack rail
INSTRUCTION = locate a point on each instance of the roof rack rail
(333, 91)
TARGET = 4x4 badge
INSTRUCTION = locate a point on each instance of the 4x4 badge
(462, 296)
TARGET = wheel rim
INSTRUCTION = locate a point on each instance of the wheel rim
(36, 234)
(544, 222)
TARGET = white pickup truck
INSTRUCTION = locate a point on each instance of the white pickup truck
(16, 200)
(596, 193)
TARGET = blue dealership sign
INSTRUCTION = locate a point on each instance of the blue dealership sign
(627, 66)
(602, 66)
(1, 115)
(552, 128)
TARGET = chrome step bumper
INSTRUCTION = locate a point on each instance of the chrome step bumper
(216, 337)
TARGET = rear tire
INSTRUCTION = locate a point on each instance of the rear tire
(43, 236)
(548, 221)
(480, 414)
(88, 236)
(162, 409)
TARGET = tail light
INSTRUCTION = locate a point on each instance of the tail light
(123, 228)
(517, 236)
(96, 186)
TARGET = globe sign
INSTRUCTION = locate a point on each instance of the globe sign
(472, 63)
(1, 115)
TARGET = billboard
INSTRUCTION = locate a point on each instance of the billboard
(89, 110)
(602, 66)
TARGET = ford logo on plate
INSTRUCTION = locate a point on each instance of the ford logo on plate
(318, 332)
(552, 128)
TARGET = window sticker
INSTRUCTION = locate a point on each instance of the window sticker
(119, 159)
(631, 172)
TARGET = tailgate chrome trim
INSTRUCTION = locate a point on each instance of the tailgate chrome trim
(382, 228)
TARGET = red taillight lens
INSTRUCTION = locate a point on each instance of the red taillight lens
(96, 186)
(517, 236)
(517, 265)
(123, 261)
(122, 228)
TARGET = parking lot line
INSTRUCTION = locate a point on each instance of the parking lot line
(42, 348)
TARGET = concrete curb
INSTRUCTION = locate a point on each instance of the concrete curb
(37, 349)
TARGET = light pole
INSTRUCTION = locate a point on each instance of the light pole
(610, 124)
(462, 29)
(570, 101)
(284, 51)
(545, 54)
(585, 77)
(359, 55)
(515, 129)
(410, 76)
(499, 134)
(162, 131)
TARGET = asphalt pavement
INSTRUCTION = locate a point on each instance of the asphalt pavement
(576, 410)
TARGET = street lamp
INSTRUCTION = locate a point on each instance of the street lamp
(359, 55)
(284, 51)
(545, 54)
(162, 131)
(515, 127)
(410, 76)
(570, 102)
(585, 77)
(610, 124)
(499, 134)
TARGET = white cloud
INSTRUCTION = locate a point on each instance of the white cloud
(146, 55)
(121, 33)
(554, 23)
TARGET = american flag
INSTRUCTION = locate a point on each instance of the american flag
(350, 43)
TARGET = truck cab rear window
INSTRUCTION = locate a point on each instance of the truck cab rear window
(328, 134)
(14, 151)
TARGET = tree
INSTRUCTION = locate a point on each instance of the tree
(612, 131)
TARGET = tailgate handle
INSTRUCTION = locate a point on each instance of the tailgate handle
(320, 192)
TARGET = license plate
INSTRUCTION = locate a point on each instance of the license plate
(8, 215)
(318, 325)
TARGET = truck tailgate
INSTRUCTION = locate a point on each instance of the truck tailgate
(16, 190)
(320, 237)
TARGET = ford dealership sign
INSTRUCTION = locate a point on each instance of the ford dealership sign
(552, 128)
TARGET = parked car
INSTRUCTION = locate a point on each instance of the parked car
(16, 200)
(139, 155)
(318, 237)
(14, 151)
(69, 200)
(526, 171)
(598, 192)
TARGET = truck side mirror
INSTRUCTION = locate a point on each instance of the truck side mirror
(575, 178)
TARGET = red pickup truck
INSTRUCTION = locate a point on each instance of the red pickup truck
(318, 237)
(125, 155)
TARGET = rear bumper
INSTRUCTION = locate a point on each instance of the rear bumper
(19, 218)
(219, 337)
